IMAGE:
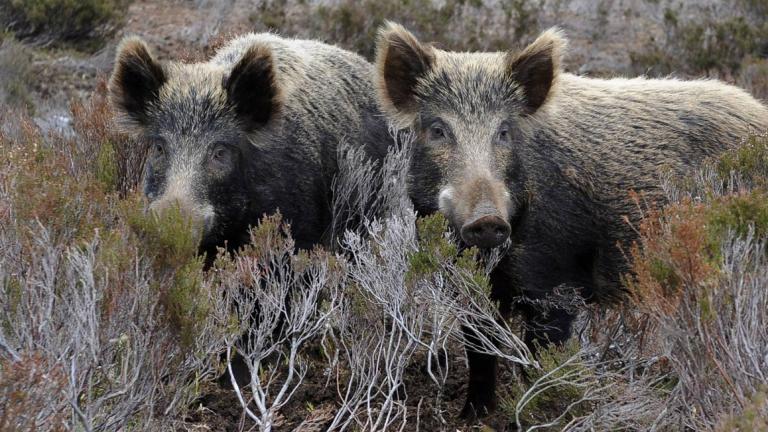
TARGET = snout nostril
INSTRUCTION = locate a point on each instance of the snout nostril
(486, 232)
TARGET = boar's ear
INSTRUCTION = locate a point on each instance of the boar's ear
(400, 61)
(136, 81)
(252, 87)
(536, 68)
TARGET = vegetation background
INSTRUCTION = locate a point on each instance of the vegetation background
(107, 321)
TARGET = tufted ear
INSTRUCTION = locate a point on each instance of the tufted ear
(136, 81)
(537, 67)
(400, 61)
(252, 87)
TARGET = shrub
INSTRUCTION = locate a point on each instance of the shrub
(717, 45)
(15, 74)
(754, 76)
(82, 22)
(557, 391)
(748, 163)
(754, 418)
(698, 273)
(25, 385)
(101, 328)
(119, 157)
(457, 24)
(688, 352)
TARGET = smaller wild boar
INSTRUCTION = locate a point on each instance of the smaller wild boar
(511, 147)
(252, 131)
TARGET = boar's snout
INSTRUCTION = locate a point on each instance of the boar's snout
(486, 232)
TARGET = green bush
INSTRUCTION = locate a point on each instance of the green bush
(720, 45)
(436, 250)
(752, 419)
(749, 161)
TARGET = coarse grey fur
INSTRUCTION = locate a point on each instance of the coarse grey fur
(251, 131)
(510, 146)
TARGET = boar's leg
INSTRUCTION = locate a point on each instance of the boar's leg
(481, 392)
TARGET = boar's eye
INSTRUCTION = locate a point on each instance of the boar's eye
(436, 132)
(220, 153)
(222, 156)
(157, 149)
(504, 134)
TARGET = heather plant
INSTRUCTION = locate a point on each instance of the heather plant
(747, 164)
(411, 290)
(119, 158)
(280, 303)
(102, 322)
(696, 279)
(109, 319)
(688, 351)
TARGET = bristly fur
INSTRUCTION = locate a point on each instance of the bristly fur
(510, 135)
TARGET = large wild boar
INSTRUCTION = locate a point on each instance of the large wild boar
(253, 130)
(511, 147)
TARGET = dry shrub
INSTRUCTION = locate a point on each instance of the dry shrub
(753, 77)
(119, 157)
(280, 304)
(754, 417)
(745, 167)
(689, 351)
(102, 309)
(35, 167)
(726, 44)
(728, 48)
(674, 258)
(699, 271)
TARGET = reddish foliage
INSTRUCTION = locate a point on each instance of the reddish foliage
(27, 387)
